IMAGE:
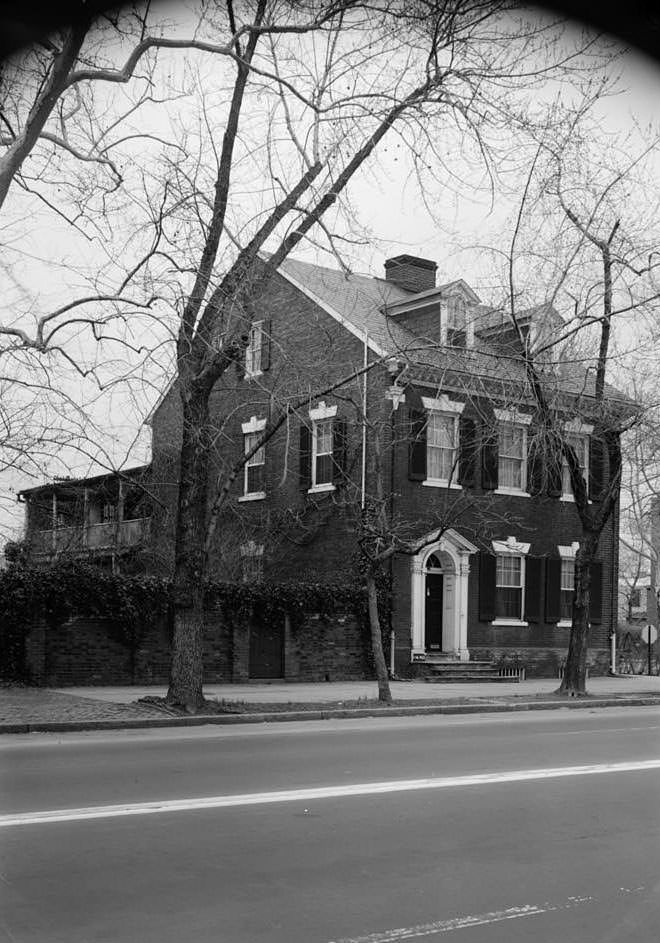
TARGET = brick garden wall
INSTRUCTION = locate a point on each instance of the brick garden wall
(84, 652)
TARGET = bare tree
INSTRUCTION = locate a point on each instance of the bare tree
(606, 270)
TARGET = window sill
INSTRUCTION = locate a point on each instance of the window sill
(513, 492)
(570, 499)
(509, 622)
(318, 489)
(564, 624)
(441, 483)
(254, 496)
(251, 376)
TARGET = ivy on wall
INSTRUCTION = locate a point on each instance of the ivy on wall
(131, 604)
(271, 601)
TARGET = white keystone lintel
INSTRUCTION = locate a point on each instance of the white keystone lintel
(512, 546)
(254, 425)
(322, 412)
(568, 553)
(442, 404)
(513, 416)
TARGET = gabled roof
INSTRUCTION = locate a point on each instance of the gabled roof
(361, 302)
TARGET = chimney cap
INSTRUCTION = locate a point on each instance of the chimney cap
(411, 260)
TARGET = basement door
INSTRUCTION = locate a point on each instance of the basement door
(267, 650)
(433, 612)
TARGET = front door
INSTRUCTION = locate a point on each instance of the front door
(433, 614)
(267, 650)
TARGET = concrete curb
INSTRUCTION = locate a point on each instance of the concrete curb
(199, 720)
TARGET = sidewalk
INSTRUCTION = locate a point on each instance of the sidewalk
(25, 709)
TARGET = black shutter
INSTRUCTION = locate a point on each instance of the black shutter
(534, 465)
(553, 589)
(417, 446)
(467, 455)
(555, 484)
(596, 593)
(489, 459)
(487, 587)
(534, 589)
(596, 468)
(240, 361)
(338, 450)
(266, 329)
(305, 457)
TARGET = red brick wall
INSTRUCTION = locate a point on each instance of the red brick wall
(84, 652)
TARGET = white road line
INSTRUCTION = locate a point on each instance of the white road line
(398, 934)
(319, 792)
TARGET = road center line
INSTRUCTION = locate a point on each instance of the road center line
(319, 792)
(398, 934)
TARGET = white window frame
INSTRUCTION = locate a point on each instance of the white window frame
(320, 413)
(253, 427)
(510, 417)
(567, 553)
(443, 406)
(512, 548)
(578, 430)
(254, 349)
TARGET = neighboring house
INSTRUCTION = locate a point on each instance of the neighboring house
(636, 600)
(451, 439)
(105, 519)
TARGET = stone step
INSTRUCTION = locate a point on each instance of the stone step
(466, 666)
(469, 679)
(465, 672)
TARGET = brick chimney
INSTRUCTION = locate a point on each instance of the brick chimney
(410, 272)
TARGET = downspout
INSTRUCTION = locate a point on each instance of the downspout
(365, 361)
(614, 586)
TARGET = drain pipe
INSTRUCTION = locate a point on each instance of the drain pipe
(365, 362)
(392, 641)
(613, 653)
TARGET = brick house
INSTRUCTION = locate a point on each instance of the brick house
(443, 425)
(496, 535)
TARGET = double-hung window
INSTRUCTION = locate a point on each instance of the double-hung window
(442, 440)
(441, 444)
(511, 469)
(567, 583)
(254, 486)
(566, 590)
(322, 452)
(254, 349)
(322, 445)
(510, 580)
(580, 443)
(512, 451)
(456, 321)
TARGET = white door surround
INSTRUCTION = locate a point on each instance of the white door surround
(454, 553)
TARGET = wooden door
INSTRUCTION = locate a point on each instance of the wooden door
(433, 612)
(267, 650)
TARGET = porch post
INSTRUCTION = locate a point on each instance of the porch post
(464, 571)
(418, 651)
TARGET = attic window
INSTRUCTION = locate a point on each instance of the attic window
(456, 321)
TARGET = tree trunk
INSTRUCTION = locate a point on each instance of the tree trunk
(384, 693)
(574, 682)
(186, 670)
(190, 565)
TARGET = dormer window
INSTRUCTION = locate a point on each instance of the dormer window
(456, 321)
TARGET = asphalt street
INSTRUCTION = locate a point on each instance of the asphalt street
(483, 828)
